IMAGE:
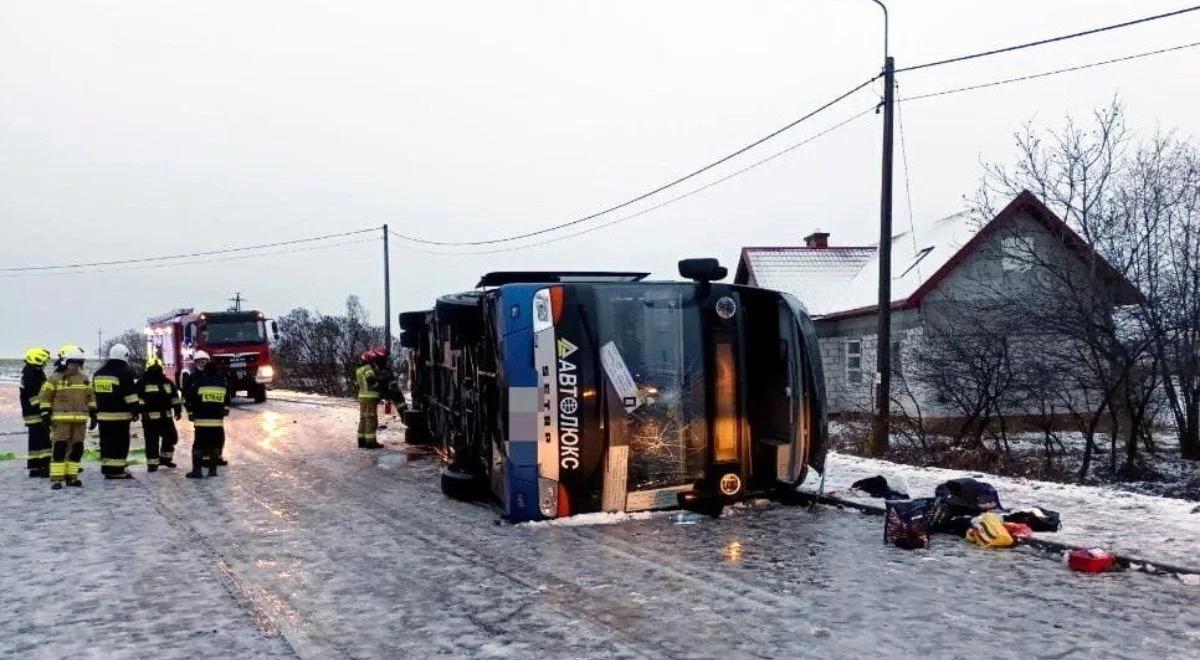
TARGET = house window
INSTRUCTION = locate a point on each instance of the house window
(1016, 254)
(854, 361)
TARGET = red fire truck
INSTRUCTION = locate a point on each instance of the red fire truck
(238, 342)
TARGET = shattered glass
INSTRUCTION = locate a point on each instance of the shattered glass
(657, 331)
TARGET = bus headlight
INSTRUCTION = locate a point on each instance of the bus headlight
(548, 497)
(543, 315)
(547, 307)
(726, 307)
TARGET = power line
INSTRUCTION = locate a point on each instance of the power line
(912, 226)
(173, 264)
(243, 248)
(655, 191)
(1042, 42)
(677, 198)
(1049, 73)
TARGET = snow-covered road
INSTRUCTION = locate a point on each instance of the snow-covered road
(305, 545)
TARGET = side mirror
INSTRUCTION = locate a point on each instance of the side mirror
(702, 270)
(189, 333)
(274, 331)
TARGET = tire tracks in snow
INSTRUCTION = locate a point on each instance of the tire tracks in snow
(567, 598)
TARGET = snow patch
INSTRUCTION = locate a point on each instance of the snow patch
(587, 519)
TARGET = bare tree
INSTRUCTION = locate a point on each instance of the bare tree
(319, 352)
(134, 340)
(1108, 336)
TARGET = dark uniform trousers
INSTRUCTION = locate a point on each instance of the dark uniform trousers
(114, 446)
(39, 447)
(209, 439)
(161, 437)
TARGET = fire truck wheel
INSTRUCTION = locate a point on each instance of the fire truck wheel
(458, 484)
(260, 394)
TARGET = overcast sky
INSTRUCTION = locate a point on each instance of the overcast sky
(144, 128)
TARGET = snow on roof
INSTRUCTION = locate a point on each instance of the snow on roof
(835, 280)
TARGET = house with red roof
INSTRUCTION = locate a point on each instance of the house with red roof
(950, 259)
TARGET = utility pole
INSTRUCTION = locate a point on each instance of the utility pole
(237, 302)
(883, 348)
(100, 343)
(387, 293)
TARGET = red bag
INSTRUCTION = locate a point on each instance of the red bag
(1090, 561)
(1019, 530)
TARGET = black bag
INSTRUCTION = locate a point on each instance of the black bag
(905, 525)
(967, 497)
(957, 501)
(877, 486)
(1038, 519)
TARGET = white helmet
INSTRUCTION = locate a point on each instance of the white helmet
(72, 354)
(119, 352)
(200, 355)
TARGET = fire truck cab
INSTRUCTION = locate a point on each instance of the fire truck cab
(239, 343)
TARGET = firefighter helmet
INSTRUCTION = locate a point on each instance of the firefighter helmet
(38, 357)
(119, 352)
(72, 353)
(200, 355)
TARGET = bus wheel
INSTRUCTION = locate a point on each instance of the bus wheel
(260, 394)
(458, 484)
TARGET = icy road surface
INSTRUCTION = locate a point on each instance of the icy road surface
(307, 546)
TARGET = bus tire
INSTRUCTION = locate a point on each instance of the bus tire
(459, 310)
(458, 484)
(412, 321)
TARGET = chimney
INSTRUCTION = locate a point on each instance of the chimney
(817, 239)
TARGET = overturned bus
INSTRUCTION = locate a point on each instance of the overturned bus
(560, 393)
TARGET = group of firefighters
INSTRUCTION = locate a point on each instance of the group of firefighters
(59, 409)
(56, 410)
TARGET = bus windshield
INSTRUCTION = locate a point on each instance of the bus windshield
(657, 332)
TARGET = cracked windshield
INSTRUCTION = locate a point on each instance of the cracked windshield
(657, 333)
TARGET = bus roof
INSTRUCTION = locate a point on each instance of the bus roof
(501, 278)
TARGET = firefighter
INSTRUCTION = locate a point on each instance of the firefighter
(159, 400)
(33, 376)
(184, 378)
(207, 402)
(117, 408)
(67, 401)
(375, 380)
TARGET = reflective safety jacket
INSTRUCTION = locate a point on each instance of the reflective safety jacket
(374, 384)
(68, 397)
(32, 379)
(206, 398)
(158, 395)
(368, 383)
(116, 392)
